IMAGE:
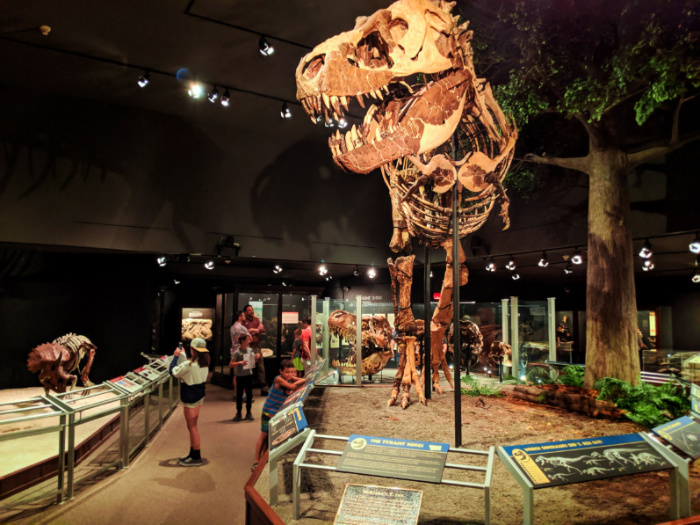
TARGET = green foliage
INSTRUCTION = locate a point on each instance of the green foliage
(478, 389)
(512, 380)
(539, 375)
(648, 405)
(572, 375)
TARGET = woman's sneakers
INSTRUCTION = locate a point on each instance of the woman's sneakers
(194, 459)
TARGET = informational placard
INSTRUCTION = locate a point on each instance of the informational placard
(135, 378)
(579, 460)
(286, 426)
(695, 406)
(290, 317)
(695, 390)
(298, 396)
(371, 504)
(683, 433)
(147, 373)
(125, 384)
(388, 458)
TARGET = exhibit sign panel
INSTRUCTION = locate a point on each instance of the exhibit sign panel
(579, 460)
(388, 457)
(298, 396)
(285, 427)
(695, 406)
(147, 373)
(371, 504)
(125, 384)
(683, 433)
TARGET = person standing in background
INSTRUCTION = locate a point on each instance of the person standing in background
(255, 329)
(237, 330)
(306, 338)
(243, 362)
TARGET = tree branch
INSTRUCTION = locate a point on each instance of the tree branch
(572, 163)
(645, 155)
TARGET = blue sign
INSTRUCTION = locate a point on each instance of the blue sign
(578, 444)
(285, 427)
(407, 444)
(683, 433)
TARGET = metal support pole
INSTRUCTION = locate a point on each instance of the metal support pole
(551, 326)
(426, 317)
(514, 337)
(160, 403)
(124, 431)
(146, 415)
(326, 333)
(358, 341)
(71, 455)
(504, 330)
(61, 458)
(456, 194)
(312, 343)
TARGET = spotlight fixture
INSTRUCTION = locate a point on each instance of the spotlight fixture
(371, 273)
(696, 276)
(568, 269)
(543, 261)
(284, 284)
(265, 48)
(516, 276)
(176, 282)
(342, 124)
(322, 270)
(213, 95)
(286, 112)
(356, 271)
(576, 257)
(511, 263)
(209, 265)
(144, 80)
(225, 98)
(162, 260)
(491, 265)
(329, 278)
(329, 123)
(645, 252)
(431, 274)
(277, 269)
(195, 90)
(648, 265)
(694, 246)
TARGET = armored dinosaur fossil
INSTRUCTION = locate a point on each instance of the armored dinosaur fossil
(413, 62)
(56, 361)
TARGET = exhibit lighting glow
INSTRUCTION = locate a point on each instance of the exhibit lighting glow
(431, 274)
(225, 98)
(516, 276)
(696, 276)
(285, 112)
(209, 265)
(648, 265)
(277, 269)
(213, 95)
(144, 80)
(265, 48)
(491, 265)
(522, 378)
(330, 277)
(162, 260)
(645, 252)
(176, 281)
(322, 270)
(356, 271)
(196, 90)
(694, 246)
(342, 123)
(543, 261)
(329, 124)
(371, 273)
(576, 257)
(568, 269)
(511, 263)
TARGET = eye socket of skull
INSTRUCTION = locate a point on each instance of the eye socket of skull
(373, 51)
(314, 67)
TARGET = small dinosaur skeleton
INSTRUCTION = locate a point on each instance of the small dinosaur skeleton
(375, 344)
(56, 361)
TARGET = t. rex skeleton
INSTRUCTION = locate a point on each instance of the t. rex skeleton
(56, 360)
(405, 131)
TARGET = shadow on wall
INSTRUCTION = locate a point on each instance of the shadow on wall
(321, 202)
(153, 161)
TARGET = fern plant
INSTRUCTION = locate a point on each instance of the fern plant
(539, 375)
(478, 389)
(572, 375)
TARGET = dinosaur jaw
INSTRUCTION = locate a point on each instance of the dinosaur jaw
(405, 120)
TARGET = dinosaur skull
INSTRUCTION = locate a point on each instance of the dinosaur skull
(377, 60)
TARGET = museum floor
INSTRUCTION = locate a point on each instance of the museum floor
(154, 489)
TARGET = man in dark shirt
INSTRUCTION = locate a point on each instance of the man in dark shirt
(255, 328)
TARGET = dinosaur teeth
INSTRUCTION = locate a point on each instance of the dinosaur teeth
(344, 102)
(360, 101)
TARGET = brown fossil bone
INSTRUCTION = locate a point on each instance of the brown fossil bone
(56, 361)
(376, 340)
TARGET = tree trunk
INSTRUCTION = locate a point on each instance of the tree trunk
(611, 303)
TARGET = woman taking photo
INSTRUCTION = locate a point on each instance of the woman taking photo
(193, 377)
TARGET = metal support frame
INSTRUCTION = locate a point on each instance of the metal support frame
(358, 340)
(426, 318)
(505, 334)
(515, 344)
(300, 462)
(552, 327)
(312, 343)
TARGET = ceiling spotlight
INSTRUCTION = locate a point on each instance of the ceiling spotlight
(284, 284)
(694, 246)
(342, 124)
(277, 269)
(329, 123)
(696, 276)
(568, 269)
(576, 257)
(209, 265)
(356, 271)
(144, 80)
(225, 98)
(543, 261)
(648, 265)
(511, 264)
(213, 95)
(162, 260)
(371, 273)
(491, 265)
(431, 274)
(265, 48)
(516, 276)
(286, 112)
(196, 90)
(322, 270)
(329, 278)
(645, 252)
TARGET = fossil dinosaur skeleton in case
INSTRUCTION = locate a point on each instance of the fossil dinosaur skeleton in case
(56, 361)
(405, 133)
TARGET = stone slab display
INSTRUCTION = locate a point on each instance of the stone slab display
(579, 460)
(285, 427)
(683, 433)
(394, 458)
(371, 504)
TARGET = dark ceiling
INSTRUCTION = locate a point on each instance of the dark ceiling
(97, 50)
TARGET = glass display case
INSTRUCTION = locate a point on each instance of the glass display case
(533, 333)
(683, 364)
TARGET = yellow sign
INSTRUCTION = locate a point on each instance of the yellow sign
(530, 467)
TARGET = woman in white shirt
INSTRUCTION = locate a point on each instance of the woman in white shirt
(193, 374)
